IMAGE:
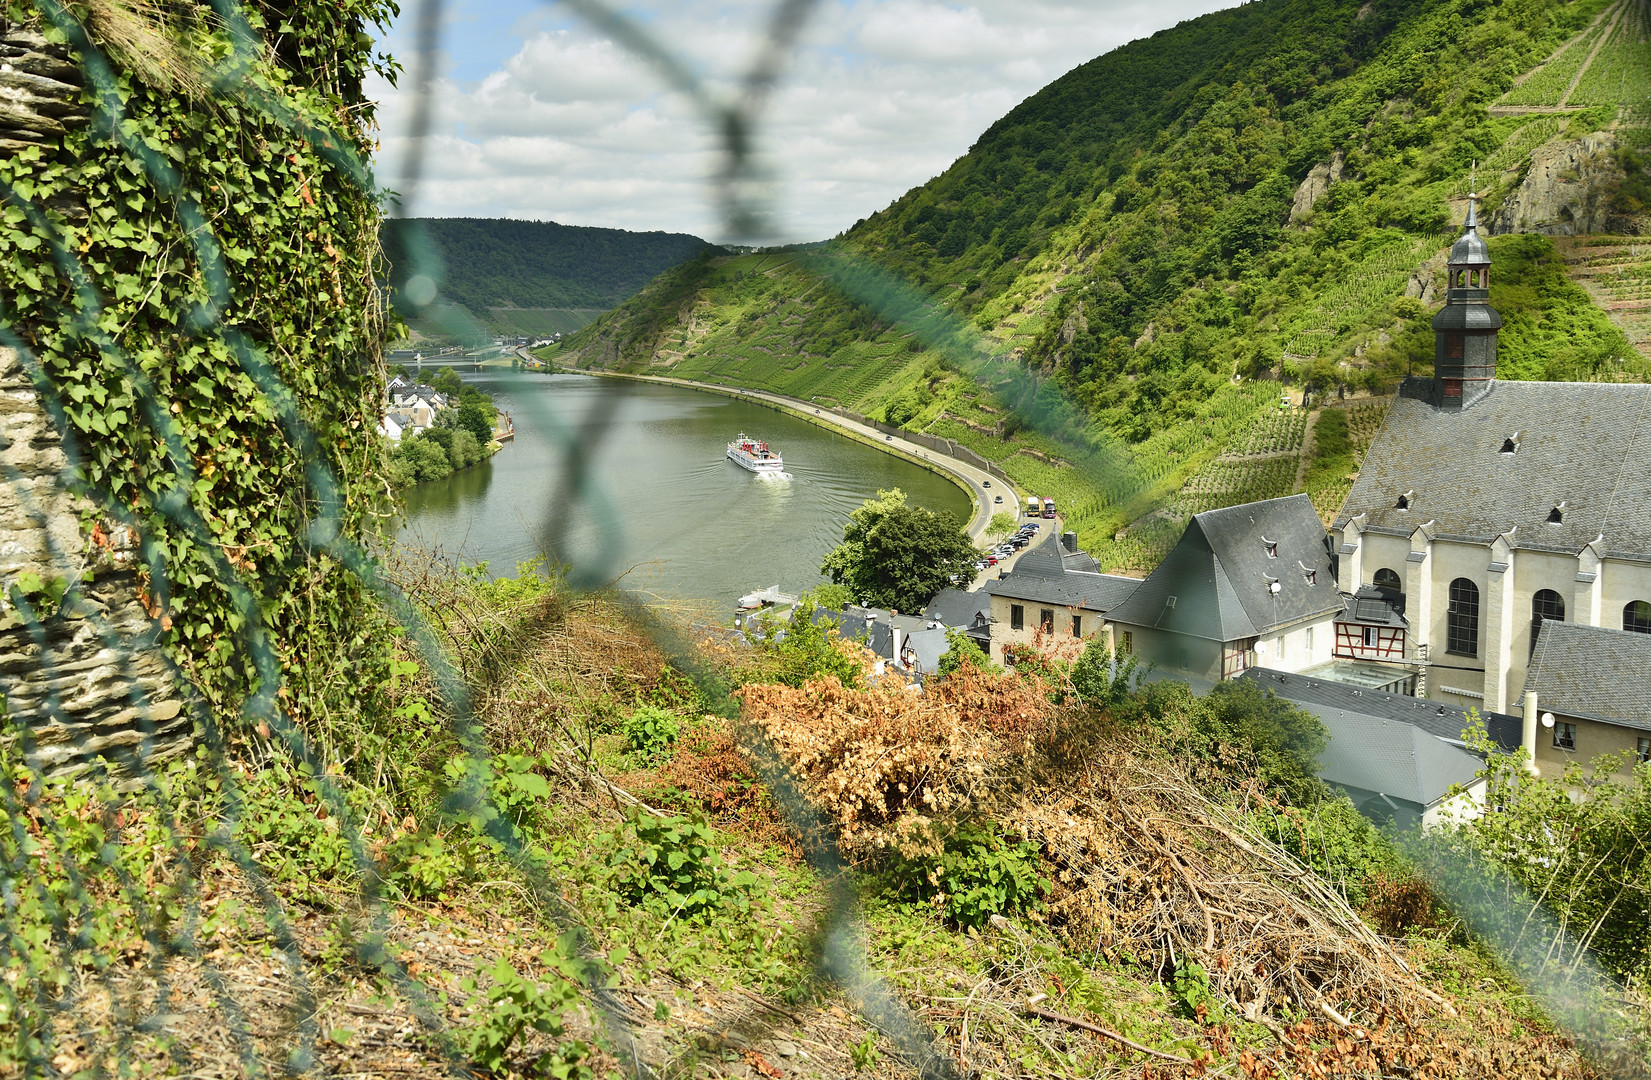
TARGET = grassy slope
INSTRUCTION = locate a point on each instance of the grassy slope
(729, 992)
(1124, 235)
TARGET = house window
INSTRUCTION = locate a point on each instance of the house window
(1126, 642)
(1462, 619)
(1309, 640)
(1453, 388)
(1564, 736)
(1046, 620)
(1636, 617)
(1077, 626)
(1453, 345)
(1546, 604)
(1643, 749)
(1017, 617)
(1370, 637)
(1278, 650)
(1388, 579)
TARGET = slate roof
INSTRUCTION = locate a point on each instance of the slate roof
(1585, 444)
(1042, 576)
(1592, 672)
(1434, 717)
(1398, 760)
(956, 608)
(1370, 606)
(930, 646)
(1216, 582)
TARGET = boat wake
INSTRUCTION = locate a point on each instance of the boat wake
(775, 477)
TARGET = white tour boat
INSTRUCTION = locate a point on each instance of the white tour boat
(754, 454)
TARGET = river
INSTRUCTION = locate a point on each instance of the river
(663, 511)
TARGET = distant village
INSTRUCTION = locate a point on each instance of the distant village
(1493, 558)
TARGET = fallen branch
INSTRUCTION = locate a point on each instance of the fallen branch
(1084, 1025)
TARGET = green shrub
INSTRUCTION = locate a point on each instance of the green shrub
(671, 867)
(516, 1005)
(1340, 844)
(651, 731)
(978, 874)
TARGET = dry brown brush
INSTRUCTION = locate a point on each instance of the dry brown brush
(1146, 865)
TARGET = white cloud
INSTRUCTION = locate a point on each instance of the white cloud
(879, 96)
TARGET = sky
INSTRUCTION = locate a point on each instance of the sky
(536, 114)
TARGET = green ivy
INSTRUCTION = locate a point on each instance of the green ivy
(191, 278)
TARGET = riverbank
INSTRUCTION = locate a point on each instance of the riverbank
(980, 485)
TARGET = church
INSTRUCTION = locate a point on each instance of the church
(1487, 508)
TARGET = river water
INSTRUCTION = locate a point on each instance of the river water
(662, 511)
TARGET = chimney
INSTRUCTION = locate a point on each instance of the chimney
(1529, 729)
(1069, 541)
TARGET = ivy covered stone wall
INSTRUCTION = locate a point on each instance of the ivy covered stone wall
(191, 369)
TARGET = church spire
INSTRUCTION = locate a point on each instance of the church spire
(1464, 331)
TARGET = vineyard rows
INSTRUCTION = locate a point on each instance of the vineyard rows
(1512, 154)
(1369, 288)
(1363, 421)
(1276, 432)
(1547, 85)
(1621, 73)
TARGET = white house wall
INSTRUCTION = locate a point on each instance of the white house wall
(1428, 566)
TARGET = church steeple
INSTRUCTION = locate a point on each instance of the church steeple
(1464, 331)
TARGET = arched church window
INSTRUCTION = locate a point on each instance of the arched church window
(1636, 617)
(1545, 605)
(1462, 619)
(1388, 579)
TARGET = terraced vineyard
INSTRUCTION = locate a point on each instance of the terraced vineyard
(1363, 421)
(1548, 84)
(1609, 63)
(1620, 73)
(1616, 271)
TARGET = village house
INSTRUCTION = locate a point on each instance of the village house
(1245, 586)
(1396, 757)
(1053, 601)
(1585, 695)
(412, 407)
(1488, 509)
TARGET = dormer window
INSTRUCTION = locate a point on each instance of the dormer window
(1510, 445)
(1170, 601)
(1271, 546)
(1556, 516)
(1404, 500)
(1309, 573)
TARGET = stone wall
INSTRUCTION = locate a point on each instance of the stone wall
(81, 679)
(84, 680)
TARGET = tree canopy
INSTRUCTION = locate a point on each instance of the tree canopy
(898, 556)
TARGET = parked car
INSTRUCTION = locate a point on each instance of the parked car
(998, 499)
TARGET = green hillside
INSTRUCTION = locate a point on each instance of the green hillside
(1138, 249)
(532, 276)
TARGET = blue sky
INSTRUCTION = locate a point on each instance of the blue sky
(539, 116)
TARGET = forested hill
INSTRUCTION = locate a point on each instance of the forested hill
(1163, 234)
(501, 263)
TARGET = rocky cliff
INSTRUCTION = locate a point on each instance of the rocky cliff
(1567, 191)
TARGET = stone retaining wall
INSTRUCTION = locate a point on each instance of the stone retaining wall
(83, 679)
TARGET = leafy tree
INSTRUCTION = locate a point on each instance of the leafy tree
(1002, 524)
(963, 650)
(420, 458)
(806, 648)
(473, 417)
(898, 556)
